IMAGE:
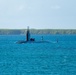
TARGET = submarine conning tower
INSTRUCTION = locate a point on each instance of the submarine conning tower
(28, 34)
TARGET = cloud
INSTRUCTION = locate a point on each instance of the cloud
(55, 7)
(21, 7)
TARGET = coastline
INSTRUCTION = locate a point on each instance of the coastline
(36, 31)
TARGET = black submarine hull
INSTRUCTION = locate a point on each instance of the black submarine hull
(22, 42)
(30, 40)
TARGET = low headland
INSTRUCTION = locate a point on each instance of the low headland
(36, 31)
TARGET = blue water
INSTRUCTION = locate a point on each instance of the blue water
(38, 58)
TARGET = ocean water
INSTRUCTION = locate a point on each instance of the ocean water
(54, 58)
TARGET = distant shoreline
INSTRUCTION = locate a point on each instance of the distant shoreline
(36, 31)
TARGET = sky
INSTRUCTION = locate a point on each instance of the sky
(38, 14)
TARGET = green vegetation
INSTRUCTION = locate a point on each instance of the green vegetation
(36, 31)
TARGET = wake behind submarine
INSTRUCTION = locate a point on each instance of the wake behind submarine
(30, 40)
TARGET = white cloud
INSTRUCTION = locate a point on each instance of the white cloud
(55, 7)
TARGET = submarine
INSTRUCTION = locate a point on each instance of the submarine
(30, 40)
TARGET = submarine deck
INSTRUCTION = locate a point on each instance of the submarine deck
(21, 42)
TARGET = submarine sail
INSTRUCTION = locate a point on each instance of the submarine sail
(28, 35)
